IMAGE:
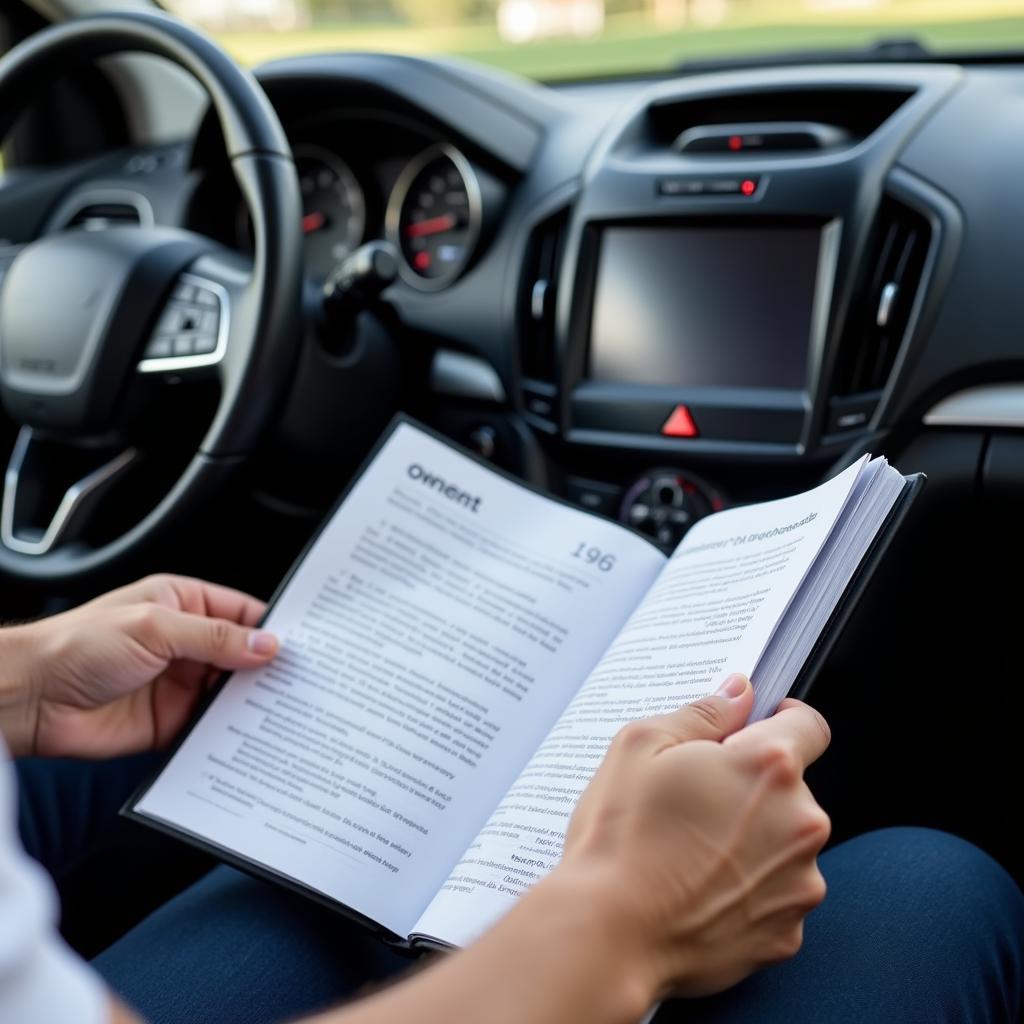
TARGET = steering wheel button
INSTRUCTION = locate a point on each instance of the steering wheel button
(183, 345)
(158, 348)
(208, 322)
(171, 321)
(185, 293)
(206, 298)
(203, 344)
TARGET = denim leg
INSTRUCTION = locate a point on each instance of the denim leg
(236, 950)
(67, 807)
(110, 872)
(918, 926)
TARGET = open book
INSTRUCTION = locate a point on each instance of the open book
(457, 653)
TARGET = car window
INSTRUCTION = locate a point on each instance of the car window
(550, 39)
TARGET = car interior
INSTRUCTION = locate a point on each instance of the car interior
(654, 295)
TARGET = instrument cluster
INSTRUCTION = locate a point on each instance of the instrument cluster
(422, 196)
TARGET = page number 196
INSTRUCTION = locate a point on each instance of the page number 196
(595, 556)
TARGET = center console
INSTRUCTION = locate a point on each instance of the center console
(739, 279)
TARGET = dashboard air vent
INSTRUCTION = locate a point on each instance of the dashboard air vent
(845, 114)
(99, 216)
(536, 316)
(880, 313)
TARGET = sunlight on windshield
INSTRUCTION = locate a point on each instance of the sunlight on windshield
(552, 39)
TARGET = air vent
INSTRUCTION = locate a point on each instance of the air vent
(845, 114)
(537, 320)
(100, 216)
(760, 137)
(880, 314)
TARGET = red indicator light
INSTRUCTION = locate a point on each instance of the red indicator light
(748, 186)
(421, 261)
(735, 142)
(680, 423)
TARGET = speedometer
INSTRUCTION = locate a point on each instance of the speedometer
(433, 217)
(333, 207)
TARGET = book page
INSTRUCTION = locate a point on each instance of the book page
(430, 638)
(712, 611)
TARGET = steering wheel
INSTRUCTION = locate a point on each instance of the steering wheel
(85, 314)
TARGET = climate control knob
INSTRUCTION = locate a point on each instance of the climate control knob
(665, 503)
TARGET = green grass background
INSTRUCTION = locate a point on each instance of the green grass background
(633, 43)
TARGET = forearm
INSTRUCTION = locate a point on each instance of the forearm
(18, 692)
(561, 954)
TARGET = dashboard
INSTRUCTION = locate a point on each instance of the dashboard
(656, 297)
(364, 177)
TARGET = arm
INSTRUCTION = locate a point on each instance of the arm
(690, 862)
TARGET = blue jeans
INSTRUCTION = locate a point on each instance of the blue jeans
(918, 926)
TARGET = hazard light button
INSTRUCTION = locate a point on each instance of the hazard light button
(680, 424)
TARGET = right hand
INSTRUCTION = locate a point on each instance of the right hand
(704, 836)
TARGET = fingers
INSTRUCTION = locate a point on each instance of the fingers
(192, 595)
(171, 634)
(796, 728)
(712, 718)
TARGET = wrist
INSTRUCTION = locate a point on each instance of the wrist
(19, 690)
(592, 940)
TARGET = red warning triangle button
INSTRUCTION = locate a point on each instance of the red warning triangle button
(680, 423)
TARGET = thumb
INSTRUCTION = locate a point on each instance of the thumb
(212, 641)
(711, 718)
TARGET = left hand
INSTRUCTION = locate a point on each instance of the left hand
(124, 672)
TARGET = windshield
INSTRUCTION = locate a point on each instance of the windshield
(552, 39)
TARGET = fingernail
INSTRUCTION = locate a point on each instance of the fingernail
(262, 642)
(733, 687)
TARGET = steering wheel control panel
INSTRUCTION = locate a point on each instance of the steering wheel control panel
(192, 329)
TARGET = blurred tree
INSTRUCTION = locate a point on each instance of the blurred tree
(444, 12)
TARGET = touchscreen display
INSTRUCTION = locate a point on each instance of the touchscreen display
(704, 306)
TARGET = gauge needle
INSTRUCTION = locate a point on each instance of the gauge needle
(432, 227)
(313, 222)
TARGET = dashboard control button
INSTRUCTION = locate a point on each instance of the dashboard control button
(594, 495)
(681, 187)
(731, 186)
(679, 424)
(540, 406)
(853, 412)
(665, 503)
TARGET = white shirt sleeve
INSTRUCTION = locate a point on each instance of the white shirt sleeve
(41, 979)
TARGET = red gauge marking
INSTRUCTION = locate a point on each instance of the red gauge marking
(421, 261)
(313, 222)
(432, 226)
(748, 186)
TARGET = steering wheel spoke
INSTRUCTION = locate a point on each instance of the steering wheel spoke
(192, 331)
(27, 524)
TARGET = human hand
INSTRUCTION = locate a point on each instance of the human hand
(124, 672)
(703, 837)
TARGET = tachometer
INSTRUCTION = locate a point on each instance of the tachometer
(433, 217)
(333, 207)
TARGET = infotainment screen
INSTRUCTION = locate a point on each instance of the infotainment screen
(724, 306)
